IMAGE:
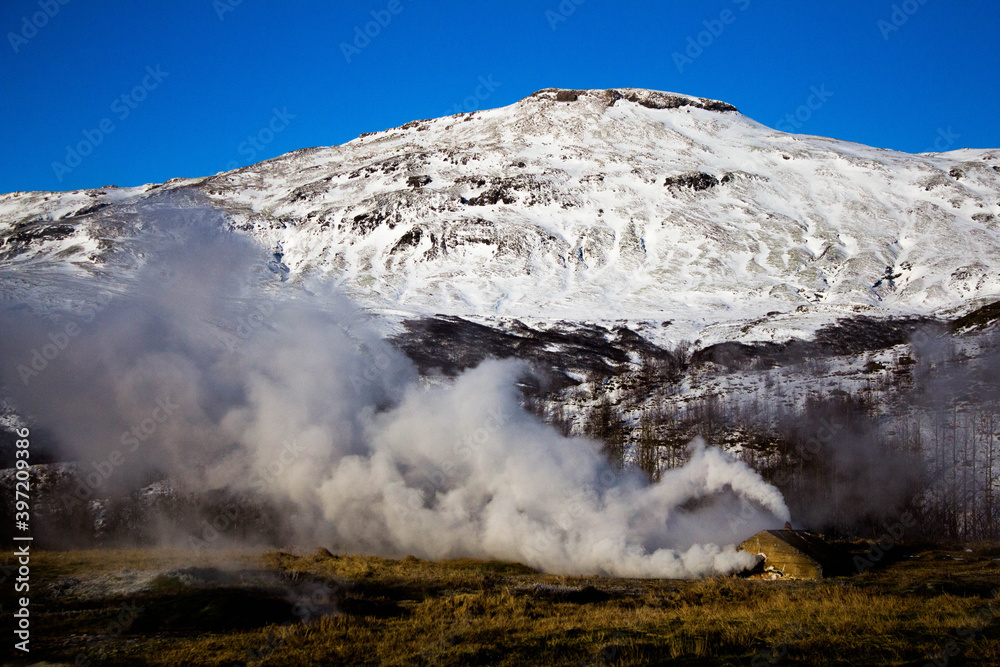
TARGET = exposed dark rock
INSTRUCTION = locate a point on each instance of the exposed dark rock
(309, 191)
(888, 277)
(651, 99)
(493, 196)
(503, 189)
(419, 125)
(695, 180)
(733, 176)
(366, 222)
(401, 162)
(409, 239)
(418, 181)
(94, 208)
(384, 209)
(26, 234)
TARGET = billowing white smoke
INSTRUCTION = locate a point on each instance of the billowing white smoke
(463, 470)
(299, 400)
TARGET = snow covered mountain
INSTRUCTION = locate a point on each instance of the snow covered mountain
(631, 242)
(596, 205)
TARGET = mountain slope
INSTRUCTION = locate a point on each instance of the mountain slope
(595, 205)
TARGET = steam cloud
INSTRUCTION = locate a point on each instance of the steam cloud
(290, 393)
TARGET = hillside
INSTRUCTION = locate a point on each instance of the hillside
(668, 268)
(598, 206)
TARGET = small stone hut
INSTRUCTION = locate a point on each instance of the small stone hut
(797, 554)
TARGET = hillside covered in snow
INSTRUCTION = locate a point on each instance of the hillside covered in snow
(598, 206)
(668, 268)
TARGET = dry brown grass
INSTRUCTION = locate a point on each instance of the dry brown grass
(412, 612)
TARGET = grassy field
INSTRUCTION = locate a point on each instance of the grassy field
(160, 607)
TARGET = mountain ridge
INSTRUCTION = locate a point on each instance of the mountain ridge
(618, 204)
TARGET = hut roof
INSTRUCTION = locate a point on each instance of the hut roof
(798, 553)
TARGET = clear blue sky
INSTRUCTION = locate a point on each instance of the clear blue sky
(934, 77)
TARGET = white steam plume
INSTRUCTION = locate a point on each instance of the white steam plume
(310, 408)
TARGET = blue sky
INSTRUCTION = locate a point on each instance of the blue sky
(153, 90)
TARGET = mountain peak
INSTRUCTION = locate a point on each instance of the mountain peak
(651, 99)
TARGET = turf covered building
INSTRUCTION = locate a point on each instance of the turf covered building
(797, 554)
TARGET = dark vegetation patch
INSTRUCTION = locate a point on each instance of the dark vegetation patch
(979, 318)
(503, 567)
(371, 607)
(215, 609)
(570, 594)
(453, 344)
(848, 336)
